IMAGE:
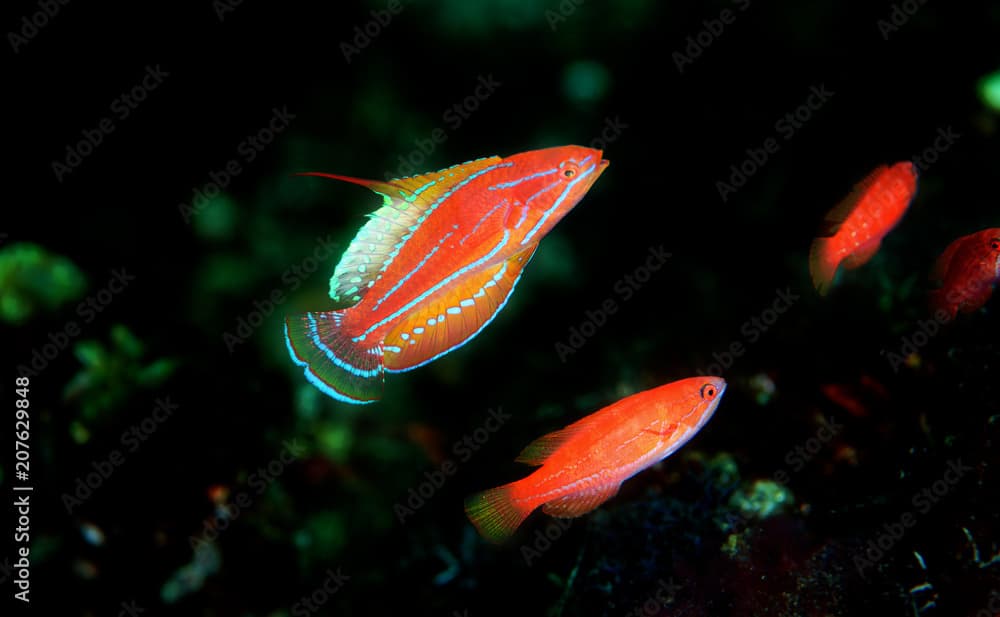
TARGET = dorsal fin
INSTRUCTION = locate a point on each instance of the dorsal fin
(943, 263)
(536, 452)
(836, 217)
(406, 203)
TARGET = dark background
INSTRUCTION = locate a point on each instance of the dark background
(333, 506)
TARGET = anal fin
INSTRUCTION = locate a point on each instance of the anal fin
(862, 255)
(453, 316)
(582, 502)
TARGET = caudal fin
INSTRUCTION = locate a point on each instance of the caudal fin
(822, 266)
(346, 370)
(495, 514)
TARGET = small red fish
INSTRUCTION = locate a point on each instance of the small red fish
(583, 465)
(853, 231)
(434, 265)
(968, 269)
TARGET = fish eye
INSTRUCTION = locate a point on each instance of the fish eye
(995, 244)
(708, 391)
(569, 169)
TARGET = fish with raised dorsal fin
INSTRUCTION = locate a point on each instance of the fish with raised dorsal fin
(853, 231)
(582, 465)
(434, 265)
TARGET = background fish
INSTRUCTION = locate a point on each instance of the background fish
(583, 465)
(968, 270)
(434, 265)
(853, 231)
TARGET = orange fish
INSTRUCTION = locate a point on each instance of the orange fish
(968, 270)
(583, 465)
(853, 231)
(434, 265)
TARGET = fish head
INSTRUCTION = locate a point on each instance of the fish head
(702, 396)
(993, 250)
(546, 184)
(686, 406)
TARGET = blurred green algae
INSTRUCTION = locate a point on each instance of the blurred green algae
(33, 279)
(110, 374)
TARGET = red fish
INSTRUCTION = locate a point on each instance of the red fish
(583, 465)
(853, 231)
(434, 265)
(968, 269)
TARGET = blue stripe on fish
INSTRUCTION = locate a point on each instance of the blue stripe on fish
(451, 277)
(507, 185)
(419, 265)
(503, 202)
(314, 335)
(510, 292)
(313, 378)
(432, 207)
(558, 202)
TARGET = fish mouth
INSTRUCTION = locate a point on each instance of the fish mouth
(604, 163)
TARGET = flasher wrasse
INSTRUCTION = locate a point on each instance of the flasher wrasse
(584, 464)
(853, 231)
(434, 265)
(968, 269)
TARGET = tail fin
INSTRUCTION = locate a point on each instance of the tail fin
(822, 267)
(494, 513)
(337, 365)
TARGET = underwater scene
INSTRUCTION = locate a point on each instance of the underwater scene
(501, 307)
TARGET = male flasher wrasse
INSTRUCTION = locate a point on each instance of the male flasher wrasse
(853, 231)
(434, 265)
(583, 465)
(968, 269)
